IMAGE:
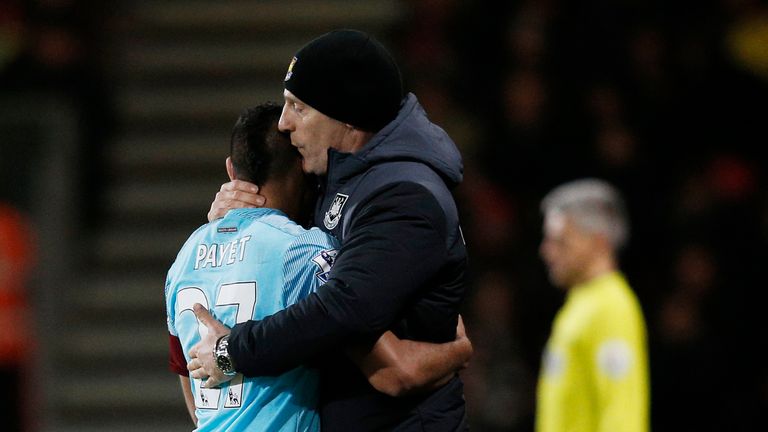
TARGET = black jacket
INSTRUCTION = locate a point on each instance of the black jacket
(401, 266)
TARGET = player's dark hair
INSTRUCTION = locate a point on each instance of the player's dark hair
(258, 150)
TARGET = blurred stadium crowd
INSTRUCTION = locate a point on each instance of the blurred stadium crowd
(666, 100)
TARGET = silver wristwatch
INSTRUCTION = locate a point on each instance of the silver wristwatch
(221, 354)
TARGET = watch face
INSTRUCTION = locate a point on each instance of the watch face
(223, 363)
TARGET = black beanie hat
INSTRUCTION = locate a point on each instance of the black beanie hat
(349, 76)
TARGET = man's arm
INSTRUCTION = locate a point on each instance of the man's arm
(189, 399)
(397, 245)
(397, 367)
(620, 371)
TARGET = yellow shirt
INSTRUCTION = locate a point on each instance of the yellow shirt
(594, 376)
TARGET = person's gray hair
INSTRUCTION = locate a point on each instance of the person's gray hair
(593, 205)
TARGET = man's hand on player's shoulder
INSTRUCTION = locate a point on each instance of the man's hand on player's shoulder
(235, 194)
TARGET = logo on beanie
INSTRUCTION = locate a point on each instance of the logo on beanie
(333, 215)
(289, 74)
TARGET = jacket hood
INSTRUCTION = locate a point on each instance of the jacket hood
(411, 136)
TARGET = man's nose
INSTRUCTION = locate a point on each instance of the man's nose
(284, 124)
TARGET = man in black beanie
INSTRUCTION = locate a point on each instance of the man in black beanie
(386, 173)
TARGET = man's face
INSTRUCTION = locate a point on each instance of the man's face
(312, 132)
(566, 250)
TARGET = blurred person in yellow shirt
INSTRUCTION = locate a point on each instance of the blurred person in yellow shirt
(594, 375)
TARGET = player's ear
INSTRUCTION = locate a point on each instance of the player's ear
(231, 169)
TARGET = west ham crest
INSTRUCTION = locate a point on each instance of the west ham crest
(289, 74)
(333, 215)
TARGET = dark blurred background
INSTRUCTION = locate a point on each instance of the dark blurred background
(115, 125)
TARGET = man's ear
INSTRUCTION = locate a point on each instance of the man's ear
(230, 169)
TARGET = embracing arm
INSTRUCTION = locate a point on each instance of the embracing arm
(396, 245)
(398, 367)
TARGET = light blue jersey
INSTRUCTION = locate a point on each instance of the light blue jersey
(250, 264)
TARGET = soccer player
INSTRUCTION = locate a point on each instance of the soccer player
(386, 178)
(253, 263)
(594, 376)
